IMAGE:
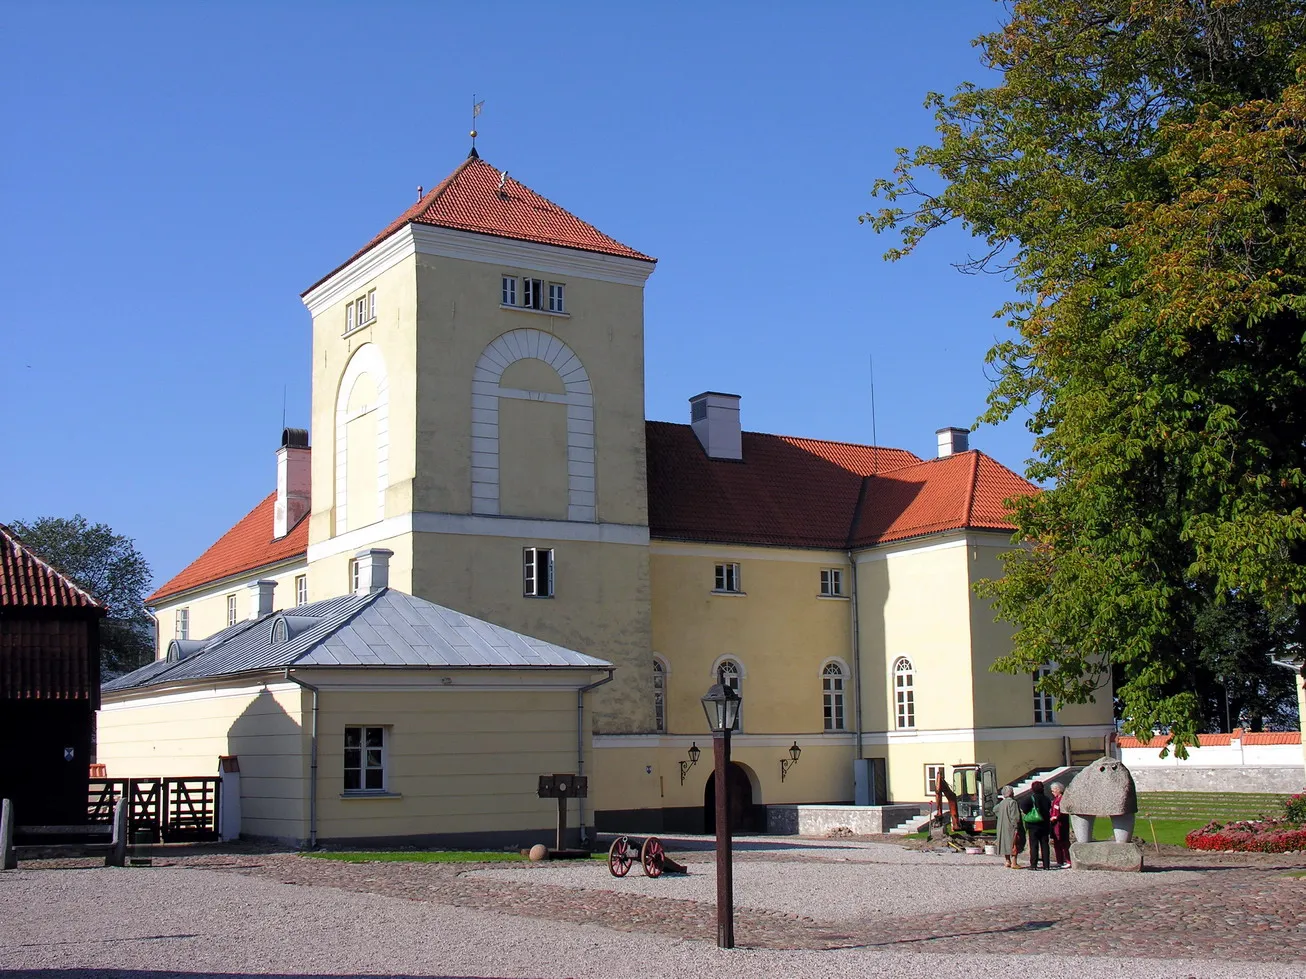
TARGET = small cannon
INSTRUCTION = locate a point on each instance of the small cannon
(652, 856)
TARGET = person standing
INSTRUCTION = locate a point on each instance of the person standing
(1009, 828)
(1036, 814)
(1060, 824)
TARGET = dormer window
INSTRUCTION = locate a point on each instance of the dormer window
(361, 311)
(523, 292)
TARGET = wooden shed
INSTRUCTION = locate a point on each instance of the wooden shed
(49, 686)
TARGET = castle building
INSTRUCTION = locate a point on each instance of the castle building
(478, 411)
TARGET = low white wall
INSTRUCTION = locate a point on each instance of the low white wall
(1218, 768)
(820, 820)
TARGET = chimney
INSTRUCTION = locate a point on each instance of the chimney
(715, 420)
(260, 597)
(373, 570)
(294, 481)
(952, 440)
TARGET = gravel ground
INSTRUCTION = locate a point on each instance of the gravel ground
(74, 924)
(854, 888)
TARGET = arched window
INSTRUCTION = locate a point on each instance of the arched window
(832, 696)
(904, 693)
(659, 696)
(733, 677)
(1043, 705)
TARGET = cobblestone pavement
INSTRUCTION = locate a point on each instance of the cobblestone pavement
(1248, 908)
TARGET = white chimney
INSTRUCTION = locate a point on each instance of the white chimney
(294, 481)
(715, 420)
(373, 570)
(952, 440)
(260, 597)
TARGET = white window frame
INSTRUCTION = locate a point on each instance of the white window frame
(354, 576)
(934, 774)
(532, 293)
(182, 628)
(659, 695)
(904, 694)
(301, 590)
(535, 560)
(726, 579)
(349, 316)
(832, 583)
(360, 311)
(509, 293)
(364, 767)
(231, 609)
(1045, 707)
(732, 672)
(557, 297)
(833, 716)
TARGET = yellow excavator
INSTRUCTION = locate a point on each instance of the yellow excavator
(971, 799)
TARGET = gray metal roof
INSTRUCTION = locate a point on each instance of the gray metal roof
(386, 629)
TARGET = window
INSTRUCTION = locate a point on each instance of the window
(934, 774)
(556, 304)
(732, 677)
(727, 577)
(231, 609)
(831, 582)
(364, 759)
(301, 589)
(904, 692)
(509, 290)
(527, 293)
(353, 575)
(537, 572)
(532, 293)
(659, 696)
(832, 696)
(183, 623)
(1043, 706)
(361, 311)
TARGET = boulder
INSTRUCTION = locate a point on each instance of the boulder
(539, 852)
(1106, 856)
(1104, 788)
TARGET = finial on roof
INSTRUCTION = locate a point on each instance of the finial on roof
(476, 111)
(419, 192)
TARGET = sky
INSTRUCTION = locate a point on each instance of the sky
(176, 174)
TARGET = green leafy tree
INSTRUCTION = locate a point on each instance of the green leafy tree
(109, 567)
(1140, 174)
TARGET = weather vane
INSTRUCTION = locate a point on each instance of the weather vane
(476, 111)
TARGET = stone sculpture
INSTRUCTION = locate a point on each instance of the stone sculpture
(1104, 788)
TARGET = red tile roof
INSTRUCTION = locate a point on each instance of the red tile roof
(807, 493)
(470, 199)
(1221, 740)
(26, 581)
(245, 547)
(787, 491)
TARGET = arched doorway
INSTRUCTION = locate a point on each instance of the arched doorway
(740, 801)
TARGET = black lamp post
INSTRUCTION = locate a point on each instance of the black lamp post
(721, 704)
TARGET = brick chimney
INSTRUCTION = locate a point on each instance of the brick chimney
(294, 481)
(715, 420)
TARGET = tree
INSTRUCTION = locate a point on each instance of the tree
(109, 567)
(1140, 174)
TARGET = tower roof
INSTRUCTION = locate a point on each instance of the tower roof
(478, 198)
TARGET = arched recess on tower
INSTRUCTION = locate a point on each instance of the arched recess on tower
(362, 440)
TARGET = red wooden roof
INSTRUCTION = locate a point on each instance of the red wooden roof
(26, 581)
(245, 547)
(471, 199)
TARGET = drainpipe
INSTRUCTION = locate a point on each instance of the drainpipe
(857, 651)
(580, 743)
(312, 762)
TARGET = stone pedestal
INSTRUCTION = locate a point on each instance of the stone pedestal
(1106, 856)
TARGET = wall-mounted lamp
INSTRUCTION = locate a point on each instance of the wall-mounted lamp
(786, 764)
(685, 766)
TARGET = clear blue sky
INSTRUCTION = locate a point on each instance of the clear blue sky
(175, 174)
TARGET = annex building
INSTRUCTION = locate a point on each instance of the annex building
(478, 411)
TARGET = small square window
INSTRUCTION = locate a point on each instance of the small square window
(727, 578)
(510, 290)
(934, 774)
(365, 758)
(231, 610)
(537, 572)
(831, 582)
(301, 589)
(183, 623)
(556, 304)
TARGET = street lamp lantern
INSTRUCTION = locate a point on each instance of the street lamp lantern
(721, 705)
(795, 751)
(694, 752)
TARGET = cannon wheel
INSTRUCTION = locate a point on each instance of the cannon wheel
(620, 857)
(653, 856)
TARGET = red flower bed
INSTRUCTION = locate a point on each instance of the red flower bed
(1268, 836)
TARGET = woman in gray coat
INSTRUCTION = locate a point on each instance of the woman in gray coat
(1009, 828)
